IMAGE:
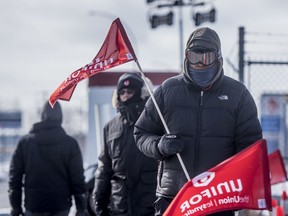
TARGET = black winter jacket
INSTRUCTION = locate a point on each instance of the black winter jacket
(215, 124)
(48, 164)
(126, 178)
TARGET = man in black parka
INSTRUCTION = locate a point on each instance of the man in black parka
(210, 117)
(125, 182)
(48, 164)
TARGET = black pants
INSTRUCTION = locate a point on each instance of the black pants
(61, 213)
(162, 203)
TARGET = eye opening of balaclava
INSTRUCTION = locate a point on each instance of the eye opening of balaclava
(130, 81)
(200, 41)
(131, 110)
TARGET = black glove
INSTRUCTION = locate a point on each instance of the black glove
(170, 144)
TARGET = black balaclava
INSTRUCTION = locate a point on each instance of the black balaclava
(52, 114)
(202, 40)
(131, 81)
(132, 108)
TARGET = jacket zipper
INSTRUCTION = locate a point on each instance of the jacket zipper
(201, 98)
(198, 130)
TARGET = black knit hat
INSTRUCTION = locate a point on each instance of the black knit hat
(52, 114)
(204, 39)
(130, 80)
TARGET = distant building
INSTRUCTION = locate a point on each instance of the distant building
(10, 126)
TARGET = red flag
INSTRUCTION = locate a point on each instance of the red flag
(240, 182)
(115, 50)
(277, 168)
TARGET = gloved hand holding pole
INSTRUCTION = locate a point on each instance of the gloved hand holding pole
(162, 119)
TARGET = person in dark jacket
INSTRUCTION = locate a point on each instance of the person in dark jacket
(125, 182)
(210, 117)
(48, 164)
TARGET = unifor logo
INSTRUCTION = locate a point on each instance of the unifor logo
(126, 82)
(193, 200)
(203, 179)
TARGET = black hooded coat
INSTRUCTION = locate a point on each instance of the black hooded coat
(125, 182)
(48, 164)
(215, 123)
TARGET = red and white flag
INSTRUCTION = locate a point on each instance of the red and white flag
(115, 51)
(240, 182)
(277, 168)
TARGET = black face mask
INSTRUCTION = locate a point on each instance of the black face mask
(132, 111)
(203, 77)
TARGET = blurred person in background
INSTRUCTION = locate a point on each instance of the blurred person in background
(125, 181)
(47, 164)
(211, 118)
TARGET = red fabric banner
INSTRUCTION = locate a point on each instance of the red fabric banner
(277, 168)
(240, 182)
(115, 50)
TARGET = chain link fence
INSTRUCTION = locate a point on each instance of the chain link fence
(266, 79)
(266, 76)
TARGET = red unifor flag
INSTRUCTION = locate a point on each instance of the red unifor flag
(277, 168)
(115, 50)
(240, 182)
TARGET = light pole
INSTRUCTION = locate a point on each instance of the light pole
(180, 5)
(199, 18)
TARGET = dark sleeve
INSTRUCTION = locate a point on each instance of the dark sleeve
(76, 173)
(16, 173)
(149, 129)
(102, 187)
(248, 128)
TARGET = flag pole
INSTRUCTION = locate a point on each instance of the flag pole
(161, 117)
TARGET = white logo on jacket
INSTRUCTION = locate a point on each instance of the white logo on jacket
(223, 97)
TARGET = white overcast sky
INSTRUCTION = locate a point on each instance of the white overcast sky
(44, 41)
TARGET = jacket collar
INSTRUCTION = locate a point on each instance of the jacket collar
(214, 86)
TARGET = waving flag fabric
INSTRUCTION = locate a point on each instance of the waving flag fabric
(115, 50)
(240, 182)
(277, 168)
